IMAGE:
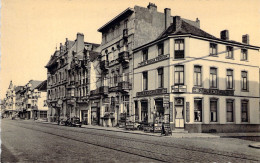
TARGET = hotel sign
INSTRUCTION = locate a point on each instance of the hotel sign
(213, 91)
(157, 59)
(152, 92)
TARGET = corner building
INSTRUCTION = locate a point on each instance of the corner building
(196, 81)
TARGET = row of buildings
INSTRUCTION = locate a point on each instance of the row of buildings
(152, 67)
(26, 102)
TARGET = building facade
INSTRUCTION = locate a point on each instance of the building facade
(9, 102)
(196, 81)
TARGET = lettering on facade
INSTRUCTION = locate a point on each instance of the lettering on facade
(187, 111)
(213, 91)
(152, 92)
(179, 88)
(157, 59)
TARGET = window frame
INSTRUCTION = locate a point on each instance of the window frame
(195, 78)
(233, 110)
(217, 109)
(211, 47)
(247, 111)
(242, 81)
(160, 46)
(145, 54)
(179, 72)
(211, 82)
(160, 76)
(178, 52)
(145, 83)
(227, 79)
(230, 50)
(242, 55)
(201, 114)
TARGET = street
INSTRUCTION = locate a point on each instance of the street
(31, 141)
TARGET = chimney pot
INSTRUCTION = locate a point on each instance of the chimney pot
(167, 15)
(152, 7)
(245, 39)
(224, 35)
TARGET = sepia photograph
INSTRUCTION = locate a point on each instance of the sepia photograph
(129, 81)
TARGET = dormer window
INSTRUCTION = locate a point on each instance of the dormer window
(229, 54)
(160, 49)
(179, 49)
(213, 49)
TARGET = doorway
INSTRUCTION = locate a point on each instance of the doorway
(179, 111)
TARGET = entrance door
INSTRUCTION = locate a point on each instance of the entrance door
(179, 118)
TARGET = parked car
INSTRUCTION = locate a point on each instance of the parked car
(74, 121)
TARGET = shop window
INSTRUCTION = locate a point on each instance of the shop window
(145, 54)
(244, 111)
(229, 54)
(213, 49)
(43, 114)
(230, 111)
(197, 76)
(244, 81)
(145, 80)
(197, 110)
(244, 56)
(179, 75)
(160, 77)
(160, 49)
(179, 49)
(213, 110)
(213, 78)
(230, 79)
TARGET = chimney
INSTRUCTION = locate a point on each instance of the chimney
(152, 7)
(245, 39)
(167, 14)
(224, 35)
(176, 23)
(198, 22)
(60, 47)
(80, 42)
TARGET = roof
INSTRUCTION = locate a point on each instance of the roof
(18, 88)
(35, 83)
(42, 86)
(52, 59)
(186, 28)
(118, 18)
(93, 55)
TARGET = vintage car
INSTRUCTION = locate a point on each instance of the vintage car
(74, 121)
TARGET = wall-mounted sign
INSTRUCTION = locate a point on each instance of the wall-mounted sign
(213, 91)
(179, 88)
(157, 59)
(152, 92)
(187, 111)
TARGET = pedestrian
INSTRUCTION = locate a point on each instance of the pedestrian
(163, 131)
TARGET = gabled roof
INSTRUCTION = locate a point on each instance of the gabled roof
(186, 28)
(52, 59)
(93, 55)
(42, 86)
(35, 83)
(18, 88)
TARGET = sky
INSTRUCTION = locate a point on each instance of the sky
(31, 29)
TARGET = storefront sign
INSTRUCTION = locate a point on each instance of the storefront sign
(187, 111)
(152, 92)
(171, 111)
(179, 88)
(157, 59)
(166, 100)
(213, 91)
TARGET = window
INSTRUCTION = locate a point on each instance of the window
(160, 49)
(179, 49)
(145, 80)
(213, 49)
(230, 111)
(213, 110)
(125, 24)
(115, 79)
(179, 75)
(160, 78)
(230, 79)
(197, 76)
(229, 54)
(244, 81)
(43, 114)
(213, 78)
(244, 111)
(145, 55)
(244, 55)
(197, 110)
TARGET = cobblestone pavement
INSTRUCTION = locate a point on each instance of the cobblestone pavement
(28, 141)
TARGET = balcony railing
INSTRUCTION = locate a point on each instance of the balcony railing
(125, 33)
(124, 86)
(104, 65)
(103, 90)
(123, 56)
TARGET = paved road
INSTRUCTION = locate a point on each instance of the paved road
(29, 141)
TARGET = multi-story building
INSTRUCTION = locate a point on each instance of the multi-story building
(196, 81)
(128, 30)
(68, 79)
(10, 110)
(19, 98)
(41, 106)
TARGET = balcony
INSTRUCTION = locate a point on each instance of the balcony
(125, 33)
(124, 86)
(123, 57)
(103, 90)
(94, 92)
(104, 65)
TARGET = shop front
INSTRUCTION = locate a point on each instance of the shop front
(95, 113)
